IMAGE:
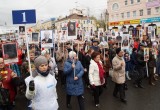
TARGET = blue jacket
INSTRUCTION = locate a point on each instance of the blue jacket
(74, 87)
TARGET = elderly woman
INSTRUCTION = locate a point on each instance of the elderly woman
(96, 76)
(6, 82)
(74, 71)
(42, 89)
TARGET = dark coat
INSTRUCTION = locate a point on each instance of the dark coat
(49, 40)
(140, 59)
(128, 64)
(88, 59)
(134, 58)
(74, 87)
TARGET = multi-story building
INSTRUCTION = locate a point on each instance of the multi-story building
(133, 13)
(44, 25)
(83, 22)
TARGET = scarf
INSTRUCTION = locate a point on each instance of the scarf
(43, 73)
(101, 72)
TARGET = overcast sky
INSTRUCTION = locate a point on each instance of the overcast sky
(46, 9)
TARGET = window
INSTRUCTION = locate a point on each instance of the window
(117, 16)
(134, 13)
(132, 1)
(84, 22)
(128, 14)
(149, 11)
(140, 12)
(126, 2)
(91, 21)
(122, 15)
(112, 17)
(138, 1)
(157, 10)
(115, 6)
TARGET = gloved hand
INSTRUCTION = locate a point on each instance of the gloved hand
(31, 85)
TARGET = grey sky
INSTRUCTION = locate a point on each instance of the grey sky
(46, 9)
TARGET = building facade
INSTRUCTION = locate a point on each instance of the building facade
(133, 13)
(83, 22)
(44, 25)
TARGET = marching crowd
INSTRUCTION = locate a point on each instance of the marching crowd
(78, 66)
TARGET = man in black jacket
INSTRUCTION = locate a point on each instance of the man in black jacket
(141, 65)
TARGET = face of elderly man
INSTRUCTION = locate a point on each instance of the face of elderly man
(72, 27)
(1, 63)
(46, 35)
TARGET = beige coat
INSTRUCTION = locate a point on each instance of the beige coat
(61, 58)
(118, 75)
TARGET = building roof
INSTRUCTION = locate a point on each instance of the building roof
(72, 16)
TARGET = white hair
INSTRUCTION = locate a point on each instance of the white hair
(72, 54)
(45, 51)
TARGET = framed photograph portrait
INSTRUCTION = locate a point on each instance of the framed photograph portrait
(10, 54)
(125, 41)
(35, 37)
(47, 38)
(146, 54)
(72, 30)
(21, 30)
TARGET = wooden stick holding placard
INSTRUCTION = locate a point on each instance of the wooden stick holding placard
(28, 56)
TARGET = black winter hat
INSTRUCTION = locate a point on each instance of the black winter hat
(118, 50)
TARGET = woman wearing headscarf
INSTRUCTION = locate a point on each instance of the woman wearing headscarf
(42, 89)
(96, 76)
(74, 71)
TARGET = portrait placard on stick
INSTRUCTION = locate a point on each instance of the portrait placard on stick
(47, 38)
(63, 36)
(125, 41)
(21, 30)
(72, 30)
(146, 54)
(153, 37)
(10, 54)
(35, 37)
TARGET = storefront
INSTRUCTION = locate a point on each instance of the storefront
(154, 22)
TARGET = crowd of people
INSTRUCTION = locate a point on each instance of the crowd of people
(78, 66)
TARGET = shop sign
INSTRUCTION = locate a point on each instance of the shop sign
(150, 20)
(136, 21)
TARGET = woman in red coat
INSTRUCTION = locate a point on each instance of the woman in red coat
(6, 77)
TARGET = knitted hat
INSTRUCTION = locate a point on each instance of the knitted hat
(40, 60)
(118, 50)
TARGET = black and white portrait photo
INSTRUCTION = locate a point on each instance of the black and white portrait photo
(72, 29)
(21, 30)
(10, 53)
(125, 41)
(35, 37)
(47, 38)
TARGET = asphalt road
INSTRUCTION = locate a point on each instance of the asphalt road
(138, 99)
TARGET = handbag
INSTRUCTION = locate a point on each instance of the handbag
(4, 96)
